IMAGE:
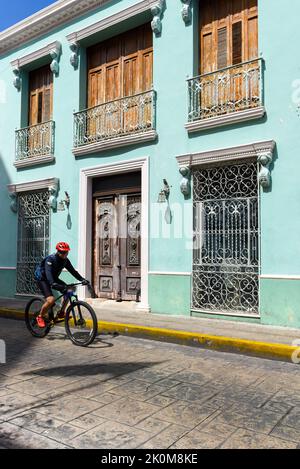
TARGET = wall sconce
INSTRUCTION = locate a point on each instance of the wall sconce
(164, 193)
(64, 203)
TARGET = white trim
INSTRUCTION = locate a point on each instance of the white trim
(111, 20)
(32, 185)
(280, 277)
(45, 21)
(236, 315)
(36, 55)
(8, 268)
(241, 152)
(85, 220)
(115, 143)
(33, 161)
(228, 119)
(184, 274)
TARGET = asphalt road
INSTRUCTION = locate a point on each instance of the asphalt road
(132, 393)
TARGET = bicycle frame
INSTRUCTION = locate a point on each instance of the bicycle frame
(68, 295)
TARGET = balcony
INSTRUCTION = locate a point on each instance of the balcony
(35, 144)
(117, 123)
(231, 95)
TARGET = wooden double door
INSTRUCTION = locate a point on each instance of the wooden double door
(117, 246)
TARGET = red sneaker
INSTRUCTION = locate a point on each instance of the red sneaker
(41, 322)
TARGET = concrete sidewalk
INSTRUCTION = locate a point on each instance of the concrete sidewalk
(254, 339)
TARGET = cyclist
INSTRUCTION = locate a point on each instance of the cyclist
(47, 276)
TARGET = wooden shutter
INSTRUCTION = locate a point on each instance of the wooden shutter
(228, 33)
(126, 64)
(237, 41)
(40, 95)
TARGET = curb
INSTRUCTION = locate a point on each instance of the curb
(273, 351)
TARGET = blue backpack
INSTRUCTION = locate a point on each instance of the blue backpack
(38, 273)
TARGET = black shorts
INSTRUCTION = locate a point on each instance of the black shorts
(45, 287)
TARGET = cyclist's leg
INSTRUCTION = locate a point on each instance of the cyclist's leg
(48, 294)
(61, 313)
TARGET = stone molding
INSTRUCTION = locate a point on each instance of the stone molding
(227, 119)
(45, 21)
(52, 184)
(53, 50)
(111, 20)
(34, 161)
(186, 11)
(115, 143)
(212, 157)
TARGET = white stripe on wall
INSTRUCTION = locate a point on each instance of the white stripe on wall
(170, 273)
(280, 277)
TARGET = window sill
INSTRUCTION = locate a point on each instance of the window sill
(227, 119)
(117, 142)
(33, 161)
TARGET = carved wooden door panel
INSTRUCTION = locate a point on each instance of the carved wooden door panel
(117, 247)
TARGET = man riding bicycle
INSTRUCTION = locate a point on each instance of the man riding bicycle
(47, 276)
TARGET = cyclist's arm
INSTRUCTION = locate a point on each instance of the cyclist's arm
(73, 272)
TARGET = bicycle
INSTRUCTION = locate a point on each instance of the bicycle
(80, 319)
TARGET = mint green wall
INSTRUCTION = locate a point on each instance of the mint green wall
(175, 59)
(170, 294)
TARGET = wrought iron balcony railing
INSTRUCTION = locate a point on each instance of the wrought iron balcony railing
(232, 89)
(118, 118)
(35, 141)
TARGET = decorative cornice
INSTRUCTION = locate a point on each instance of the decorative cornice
(45, 21)
(115, 143)
(51, 184)
(250, 151)
(52, 50)
(123, 15)
(32, 185)
(186, 11)
(228, 119)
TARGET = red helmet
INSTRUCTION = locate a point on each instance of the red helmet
(63, 247)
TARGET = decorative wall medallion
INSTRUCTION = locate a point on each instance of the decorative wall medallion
(53, 192)
(17, 78)
(185, 185)
(264, 177)
(74, 59)
(55, 54)
(14, 202)
(157, 11)
(186, 11)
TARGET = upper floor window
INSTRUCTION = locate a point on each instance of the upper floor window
(120, 95)
(40, 95)
(121, 66)
(228, 33)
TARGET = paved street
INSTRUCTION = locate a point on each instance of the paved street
(132, 393)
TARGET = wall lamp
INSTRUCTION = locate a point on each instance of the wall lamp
(164, 193)
(63, 204)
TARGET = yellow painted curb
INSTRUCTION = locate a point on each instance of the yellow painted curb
(261, 349)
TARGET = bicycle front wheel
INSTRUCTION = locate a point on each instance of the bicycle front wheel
(81, 323)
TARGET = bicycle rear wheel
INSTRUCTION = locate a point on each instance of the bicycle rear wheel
(32, 310)
(81, 323)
